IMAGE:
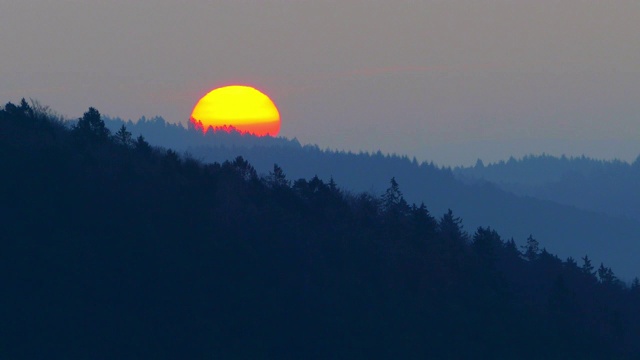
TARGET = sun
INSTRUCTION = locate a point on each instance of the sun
(243, 108)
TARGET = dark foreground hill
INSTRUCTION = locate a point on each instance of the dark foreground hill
(113, 249)
(559, 225)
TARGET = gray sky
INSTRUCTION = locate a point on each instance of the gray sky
(448, 81)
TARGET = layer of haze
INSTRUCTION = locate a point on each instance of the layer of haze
(448, 81)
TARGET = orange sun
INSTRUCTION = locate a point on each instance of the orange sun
(242, 108)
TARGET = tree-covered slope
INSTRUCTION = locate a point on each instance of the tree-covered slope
(563, 228)
(113, 249)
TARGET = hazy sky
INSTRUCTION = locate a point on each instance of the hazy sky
(448, 81)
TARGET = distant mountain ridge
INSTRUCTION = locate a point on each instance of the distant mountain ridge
(562, 228)
(160, 132)
(608, 187)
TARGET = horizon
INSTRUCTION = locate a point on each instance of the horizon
(470, 163)
(447, 82)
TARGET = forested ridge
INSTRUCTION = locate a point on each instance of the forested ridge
(607, 187)
(567, 227)
(113, 248)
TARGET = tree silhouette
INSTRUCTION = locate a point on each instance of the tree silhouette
(531, 249)
(244, 169)
(142, 146)
(91, 126)
(451, 228)
(486, 244)
(123, 137)
(571, 263)
(425, 224)
(587, 267)
(392, 200)
(277, 179)
(606, 276)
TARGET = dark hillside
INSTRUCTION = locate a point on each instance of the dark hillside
(563, 228)
(113, 249)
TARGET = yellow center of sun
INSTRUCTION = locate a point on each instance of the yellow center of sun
(242, 108)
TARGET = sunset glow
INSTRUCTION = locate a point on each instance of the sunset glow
(242, 108)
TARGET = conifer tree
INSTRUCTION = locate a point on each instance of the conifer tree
(531, 249)
(587, 267)
(277, 178)
(142, 145)
(392, 200)
(605, 274)
(123, 136)
(91, 126)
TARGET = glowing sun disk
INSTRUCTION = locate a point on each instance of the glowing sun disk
(241, 107)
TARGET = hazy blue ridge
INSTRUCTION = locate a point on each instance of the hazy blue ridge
(608, 187)
(561, 226)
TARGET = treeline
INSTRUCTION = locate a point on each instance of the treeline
(175, 136)
(565, 229)
(112, 248)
